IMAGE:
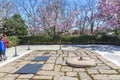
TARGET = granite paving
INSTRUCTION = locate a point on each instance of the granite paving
(55, 68)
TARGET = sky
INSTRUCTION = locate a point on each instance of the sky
(27, 5)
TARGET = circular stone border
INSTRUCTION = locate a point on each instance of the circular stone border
(84, 62)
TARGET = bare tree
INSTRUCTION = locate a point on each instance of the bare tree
(28, 9)
(6, 10)
(82, 22)
(85, 20)
(92, 7)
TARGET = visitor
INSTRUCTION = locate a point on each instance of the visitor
(5, 45)
(2, 49)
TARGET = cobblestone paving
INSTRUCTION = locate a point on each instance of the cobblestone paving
(55, 67)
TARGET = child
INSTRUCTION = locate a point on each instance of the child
(2, 49)
(5, 45)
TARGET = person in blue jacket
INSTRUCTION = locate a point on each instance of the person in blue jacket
(2, 49)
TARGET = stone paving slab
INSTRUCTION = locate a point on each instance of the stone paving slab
(55, 67)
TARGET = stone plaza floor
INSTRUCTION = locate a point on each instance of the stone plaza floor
(55, 68)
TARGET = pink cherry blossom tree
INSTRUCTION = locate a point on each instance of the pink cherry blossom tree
(54, 17)
(109, 11)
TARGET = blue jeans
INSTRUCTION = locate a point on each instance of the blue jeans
(4, 52)
(1, 55)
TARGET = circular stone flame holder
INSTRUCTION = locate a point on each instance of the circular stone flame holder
(81, 62)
